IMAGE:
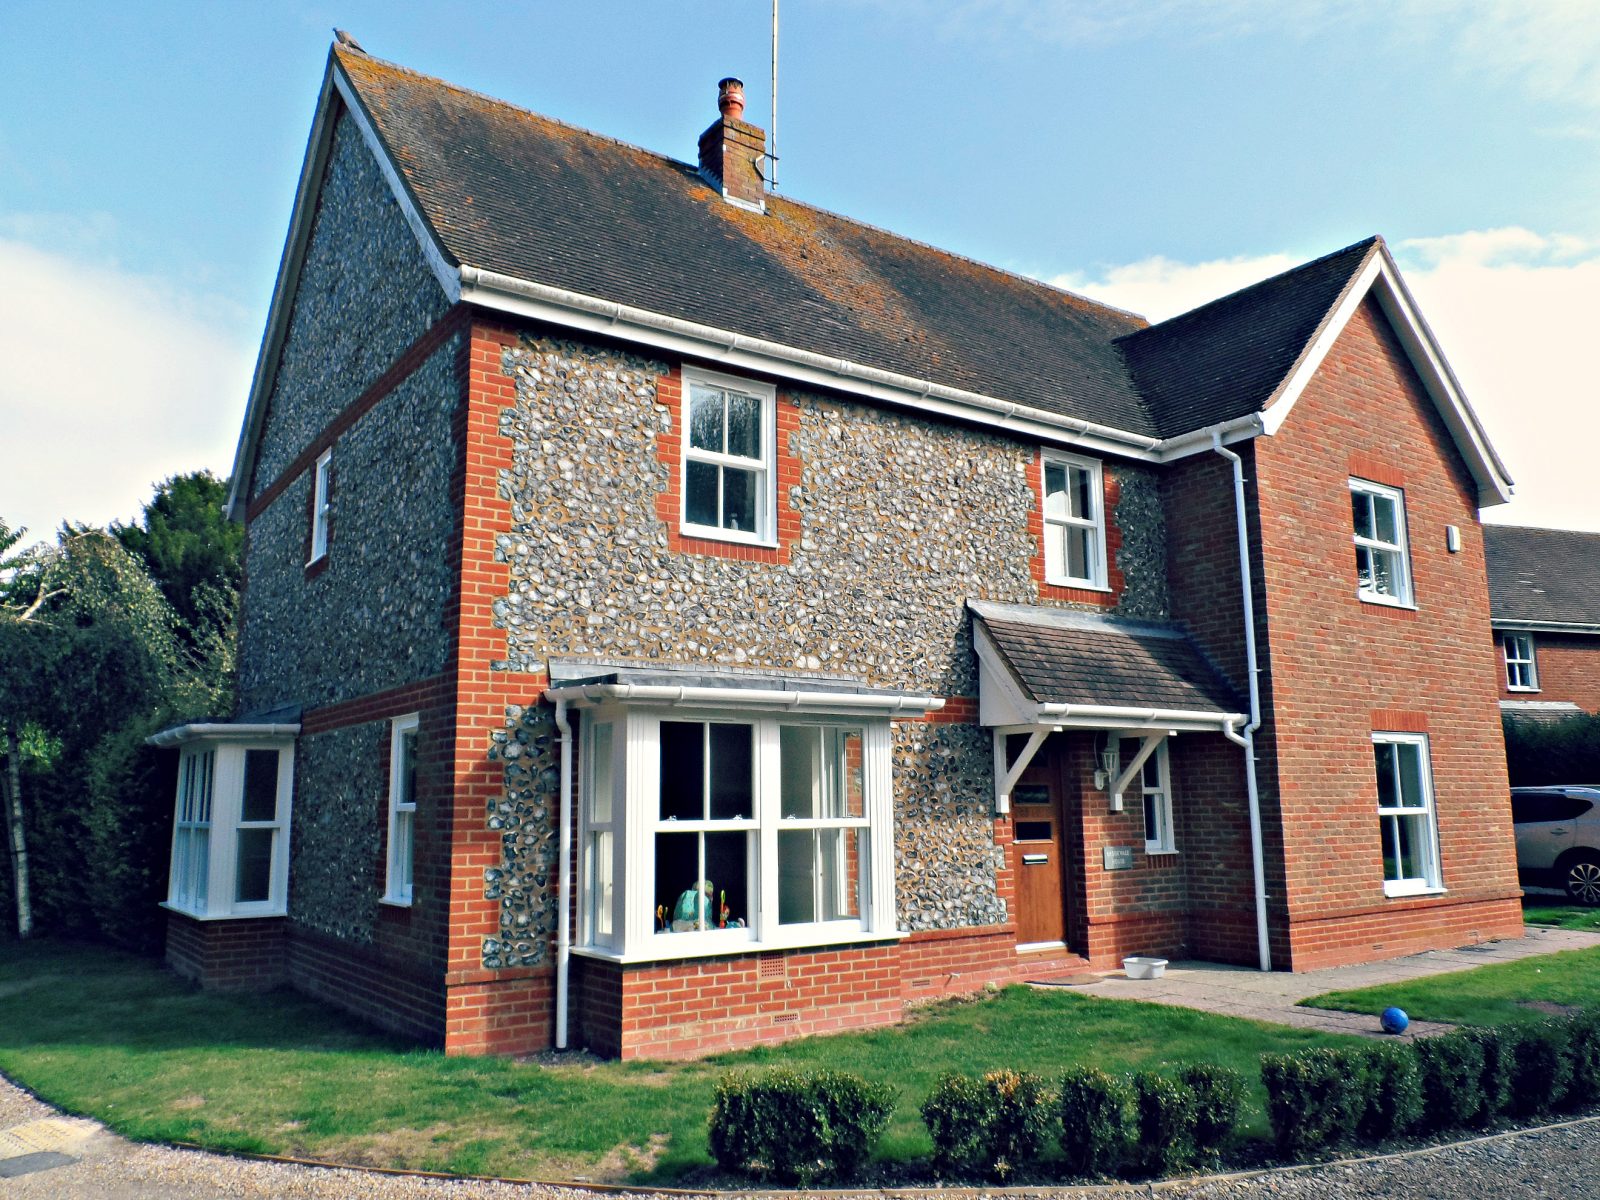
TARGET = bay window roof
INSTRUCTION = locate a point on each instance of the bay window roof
(584, 685)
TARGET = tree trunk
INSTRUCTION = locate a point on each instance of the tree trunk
(18, 842)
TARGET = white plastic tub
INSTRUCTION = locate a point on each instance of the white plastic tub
(1139, 967)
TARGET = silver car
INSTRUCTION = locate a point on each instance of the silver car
(1558, 838)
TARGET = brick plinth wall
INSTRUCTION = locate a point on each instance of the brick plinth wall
(390, 992)
(1403, 927)
(247, 954)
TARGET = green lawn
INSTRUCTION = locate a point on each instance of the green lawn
(1547, 910)
(120, 1039)
(1488, 995)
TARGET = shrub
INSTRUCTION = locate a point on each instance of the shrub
(798, 1126)
(1495, 1082)
(1096, 1121)
(997, 1125)
(1452, 1071)
(1393, 1093)
(1539, 1066)
(1164, 1109)
(1583, 1055)
(1218, 1097)
(1315, 1098)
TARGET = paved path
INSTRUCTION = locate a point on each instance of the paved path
(1274, 996)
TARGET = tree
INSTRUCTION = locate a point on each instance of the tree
(191, 549)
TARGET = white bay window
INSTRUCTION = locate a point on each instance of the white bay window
(712, 831)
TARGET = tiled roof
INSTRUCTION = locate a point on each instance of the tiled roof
(509, 191)
(1544, 576)
(1070, 658)
(1225, 359)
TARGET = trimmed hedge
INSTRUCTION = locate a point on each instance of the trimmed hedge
(1452, 1075)
(1315, 1098)
(1218, 1099)
(1394, 1094)
(1540, 1067)
(797, 1126)
(1096, 1122)
(995, 1126)
(1165, 1115)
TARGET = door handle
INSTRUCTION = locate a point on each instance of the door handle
(1035, 860)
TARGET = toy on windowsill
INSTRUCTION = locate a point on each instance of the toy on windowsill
(691, 910)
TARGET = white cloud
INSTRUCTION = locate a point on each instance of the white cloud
(1514, 311)
(111, 382)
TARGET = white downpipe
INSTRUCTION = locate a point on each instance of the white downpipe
(1247, 739)
(564, 926)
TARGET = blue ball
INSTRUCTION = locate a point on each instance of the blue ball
(1394, 1020)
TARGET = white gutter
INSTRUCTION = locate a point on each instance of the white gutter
(1139, 716)
(1247, 738)
(635, 693)
(564, 934)
(179, 734)
(1544, 626)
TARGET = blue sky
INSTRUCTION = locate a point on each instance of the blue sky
(1155, 155)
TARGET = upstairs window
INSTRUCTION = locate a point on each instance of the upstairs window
(402, 809)
(1156, 784)
(728, 452)
(1383, 571)
(1406, 827)
(230, 844)
(1522, 672)
(321, 479)
(1074, 522)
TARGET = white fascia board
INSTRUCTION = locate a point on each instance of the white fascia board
(1379, 274)
(580, 695)
(220, 732)
(1544, 626)
(1129, 720)
(1002, 700)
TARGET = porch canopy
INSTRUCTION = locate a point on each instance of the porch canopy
(1044, 670)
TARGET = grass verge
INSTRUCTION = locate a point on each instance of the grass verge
(120, 1039)
(1489, 995)
(1546, 910)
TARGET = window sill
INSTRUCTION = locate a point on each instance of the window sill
(1386, 602)
(1160, 853)
(254, 915)
(1078, 585)
(710, 533)
(1406, 890)
(395, 901)
(1524, 691)
(731, 948)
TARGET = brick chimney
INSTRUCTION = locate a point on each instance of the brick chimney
(733, 152)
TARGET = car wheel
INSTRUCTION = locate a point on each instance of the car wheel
(1581, 878)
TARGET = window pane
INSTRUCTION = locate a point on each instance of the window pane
(732, 772)
(705, 420)
(849, 799)
(407, 793)
(1150, 773)
(819, 875)
(1078, 552)
(738, 500)
(1055, 491)
(1082, 494)
(1055, 542)
(253, 880)
(402, 851)
(600, 776)
(602, 886)
(1364, 574)
(1384, 521)
(700, 493)
(1385, 573)
(800, 756)
(1387, 830)
(797, 871)
(1388, 794)
(1409, 757)
(682, 771)
(744, 425)
(1152, 818)
(208, 763)
(678, 906)
(1361, 513)
(200, 869)
(728, 869)
(260, 785)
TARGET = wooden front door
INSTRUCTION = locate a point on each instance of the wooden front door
(1041, 865)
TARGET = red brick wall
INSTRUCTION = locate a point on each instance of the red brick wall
(1568, 666)
(246, 954)
(394, 992)
(1341, 668)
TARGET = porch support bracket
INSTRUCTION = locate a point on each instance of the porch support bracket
(1147, 747)
(1006, 775)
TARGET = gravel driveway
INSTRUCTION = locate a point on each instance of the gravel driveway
(82, 1161)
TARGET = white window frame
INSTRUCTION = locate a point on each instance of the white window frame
(1157, 801)
(1522, 665)
(1425, 816)
(320, 505)
(216, 899)
(188, 878)
(635, 821)
(1399, 551)
(1056, 526)
(401, 845)
(765, 468)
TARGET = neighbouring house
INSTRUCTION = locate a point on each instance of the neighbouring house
(678, 617)
(1544, 606)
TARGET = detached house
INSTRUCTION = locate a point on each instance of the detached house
(679, 617)
(1544, 604)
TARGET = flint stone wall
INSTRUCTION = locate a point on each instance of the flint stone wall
(335, 844)
(902, 519)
